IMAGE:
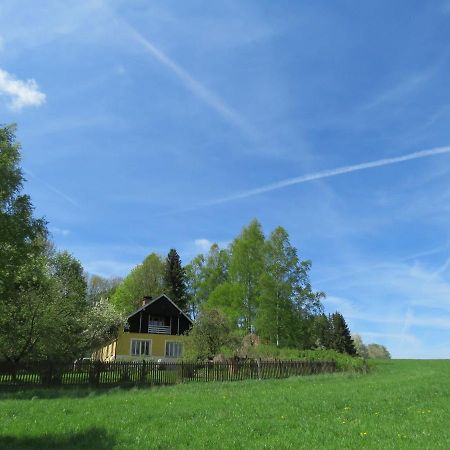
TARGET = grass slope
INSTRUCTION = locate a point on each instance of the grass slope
(401, 404)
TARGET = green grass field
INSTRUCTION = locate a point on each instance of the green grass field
(400, 404)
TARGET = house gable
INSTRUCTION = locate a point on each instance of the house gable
(160, 315)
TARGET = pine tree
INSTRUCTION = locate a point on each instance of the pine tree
(341, 339)
(175, 279)
(321, 331)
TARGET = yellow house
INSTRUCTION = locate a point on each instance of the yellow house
(153, 332)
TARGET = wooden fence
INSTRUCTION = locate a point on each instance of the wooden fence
(117, 373)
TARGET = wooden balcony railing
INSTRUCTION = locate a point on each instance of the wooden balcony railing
(159, 329)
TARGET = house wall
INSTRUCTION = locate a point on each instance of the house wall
(121, 348)
(107, 353)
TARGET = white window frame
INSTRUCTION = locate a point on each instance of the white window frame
(140, 347)
(174, 342)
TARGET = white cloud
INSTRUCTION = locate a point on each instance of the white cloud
(60, 231)
(370, 336)
(22, 93)
(107, 267)
(203, 245)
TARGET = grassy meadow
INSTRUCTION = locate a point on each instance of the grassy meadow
(399, 404)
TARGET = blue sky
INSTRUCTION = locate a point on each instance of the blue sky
(151, 125)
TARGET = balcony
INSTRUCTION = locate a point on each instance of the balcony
(157, 328)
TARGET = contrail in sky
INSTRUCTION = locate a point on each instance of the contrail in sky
(52, 188)
(332, 173)
(198, 89)
(318, 176)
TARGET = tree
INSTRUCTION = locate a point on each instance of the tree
(377, 351)
(278, 286)
(23, 314)
(102, 324)
(22, 235)
(340, 338)
(321, 331)
(99, 288)
(227, 298)
(360, 347)
(23, 280)
(287, 301)
(194, 281)
(203, 275)
(215, 269)
(43, 303)
(64, 317)
(175, 280)
(145, 279)
(209, 334)
(245, 270)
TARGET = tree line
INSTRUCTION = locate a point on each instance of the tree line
(258, 284)
(51, 309)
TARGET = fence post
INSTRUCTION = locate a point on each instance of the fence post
(180, 372)
(94, 373)
(47, 374)
(143, 372)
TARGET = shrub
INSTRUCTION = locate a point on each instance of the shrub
(210, 334)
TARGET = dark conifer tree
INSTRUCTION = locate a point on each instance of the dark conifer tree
(321, 331)
(175, 279)
(340, 338)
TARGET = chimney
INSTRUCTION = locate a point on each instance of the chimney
(146, 299)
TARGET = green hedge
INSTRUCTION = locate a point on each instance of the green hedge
(343, 361)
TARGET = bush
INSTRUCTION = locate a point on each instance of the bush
(210, 334)
(344, 362)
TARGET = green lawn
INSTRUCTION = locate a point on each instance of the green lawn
(400, 404)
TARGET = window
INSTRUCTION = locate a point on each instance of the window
(140, 347)
(174, 349)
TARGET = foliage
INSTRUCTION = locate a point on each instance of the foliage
(23, 313)
(102, 325)
(370, 351)
(23, 270)
(377, 351)
(22, 235)
(260, 284)
(344, 362)
(194, 285)
(99, 288)
(227, 298)
(203, 275)
(63, 318)
(210, 333)
(286, 297)
(145, 279)
(175, 280)
(245, 269)
(44, 312)
(360, 347)
(321, 331)
(340, 337)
